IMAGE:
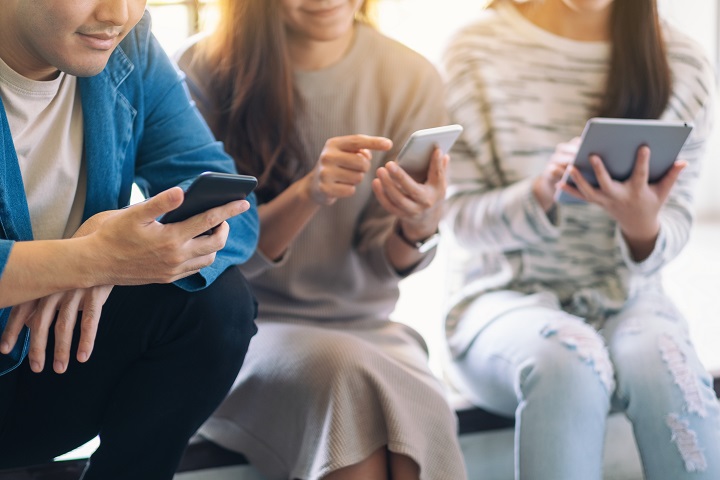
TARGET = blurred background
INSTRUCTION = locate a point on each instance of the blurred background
(426, 26)
(692, 280)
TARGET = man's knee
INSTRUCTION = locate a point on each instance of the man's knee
(224, 315)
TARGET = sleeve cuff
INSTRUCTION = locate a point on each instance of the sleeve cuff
(259, 263)
(652, 263)
(5, 247)
(527, 212)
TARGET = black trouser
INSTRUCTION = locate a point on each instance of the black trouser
(163, 361)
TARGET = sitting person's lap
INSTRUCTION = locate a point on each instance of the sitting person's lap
(162, 361)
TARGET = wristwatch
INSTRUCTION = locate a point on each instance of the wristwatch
(422, 246)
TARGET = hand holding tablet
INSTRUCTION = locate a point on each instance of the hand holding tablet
(616, 142)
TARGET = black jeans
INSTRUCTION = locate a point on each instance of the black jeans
(163, 361)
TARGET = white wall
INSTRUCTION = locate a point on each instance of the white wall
(700, 19)
(426, 25)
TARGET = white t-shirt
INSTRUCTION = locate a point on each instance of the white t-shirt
(46, 123)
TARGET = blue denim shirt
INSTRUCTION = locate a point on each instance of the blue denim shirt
(139, 126)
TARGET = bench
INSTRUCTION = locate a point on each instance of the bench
(204, 455)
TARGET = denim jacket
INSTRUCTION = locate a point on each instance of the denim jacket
(139, 126)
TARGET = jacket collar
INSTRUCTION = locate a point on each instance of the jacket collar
(108, 120)
(14, 213)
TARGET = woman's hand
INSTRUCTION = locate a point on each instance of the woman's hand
(418, 206)
(635, 204)
(342, 165)
(546, 184)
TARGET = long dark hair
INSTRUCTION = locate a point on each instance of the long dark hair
(639, 82)
(251, 79)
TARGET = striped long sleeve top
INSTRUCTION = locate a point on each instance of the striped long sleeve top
(519, 91)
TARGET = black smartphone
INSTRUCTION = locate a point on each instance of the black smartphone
(210, 190)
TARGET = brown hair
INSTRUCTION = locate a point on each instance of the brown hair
(251, 80)
(639, 82)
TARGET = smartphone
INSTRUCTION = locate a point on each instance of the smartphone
(617, 140)
(414, 157)
(210, 190)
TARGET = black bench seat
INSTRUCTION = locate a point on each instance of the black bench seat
(203, 454)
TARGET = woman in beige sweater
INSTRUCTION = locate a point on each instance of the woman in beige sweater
(312, 100)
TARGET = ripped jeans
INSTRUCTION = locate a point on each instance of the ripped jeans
(560, 377)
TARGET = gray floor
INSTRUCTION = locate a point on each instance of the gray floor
(489, 457)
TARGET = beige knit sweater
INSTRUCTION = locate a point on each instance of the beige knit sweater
(336, 270)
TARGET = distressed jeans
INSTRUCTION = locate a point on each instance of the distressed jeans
(560, 378)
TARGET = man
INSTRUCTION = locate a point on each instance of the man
(96, 339)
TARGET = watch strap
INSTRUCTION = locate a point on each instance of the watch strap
(421, 246)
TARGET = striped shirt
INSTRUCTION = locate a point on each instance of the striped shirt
(519, 91)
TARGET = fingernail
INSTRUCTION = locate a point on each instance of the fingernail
(392, 167)
(35, 366)
(59, 366)
(4, 347)
(82, 357)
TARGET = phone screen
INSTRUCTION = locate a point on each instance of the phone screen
(210, 190)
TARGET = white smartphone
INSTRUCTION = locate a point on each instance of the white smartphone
(414, 157)
(616, 142)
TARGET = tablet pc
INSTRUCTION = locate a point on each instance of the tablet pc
(616, 142)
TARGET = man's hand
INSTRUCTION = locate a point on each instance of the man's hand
(133, 248)
(38, 316)
(120, 247)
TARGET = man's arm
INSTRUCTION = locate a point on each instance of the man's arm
(38, 268)
(176, 145)
(125, 247)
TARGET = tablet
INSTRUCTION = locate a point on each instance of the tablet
(616, 141)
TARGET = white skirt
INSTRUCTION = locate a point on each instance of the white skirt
(311, 399)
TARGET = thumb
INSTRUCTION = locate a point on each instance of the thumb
(161, 203)
(668, 181)
(437, 168)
